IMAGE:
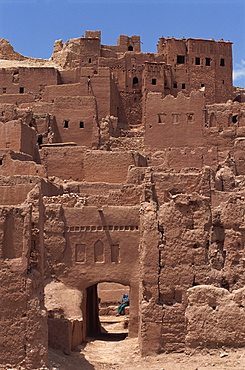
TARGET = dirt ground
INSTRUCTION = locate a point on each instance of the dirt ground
(109, 352)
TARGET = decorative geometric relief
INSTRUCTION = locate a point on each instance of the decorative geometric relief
(115, 253)
(99, 251)
(80, 255)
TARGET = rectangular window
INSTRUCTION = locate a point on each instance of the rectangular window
(66, 124)
(222, 62)
(81, 125)
(154, 81)
(208, 61)
(4, 90)
(115, 253)
(198, 61)
(190, 117)
(21, 90)
(175, 85)
(161, 117)
(80, 253)
(202, 85)
(175, 118)
(180, 59)
(183, 86)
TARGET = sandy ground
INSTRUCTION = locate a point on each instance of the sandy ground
(110, 353)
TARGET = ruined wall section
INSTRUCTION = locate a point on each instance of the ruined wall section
(24, 323)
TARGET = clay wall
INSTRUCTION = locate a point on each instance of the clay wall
(198, 63)
(23, 321)
(89, 50)
(96, 247)
(99, 86)
(174, 122)
(180, 158)
(76, 119)
(59, 161)
(15, 189)
(117, 171)
(125, 43)
(17, 136)
(26, 80)
(12, 165)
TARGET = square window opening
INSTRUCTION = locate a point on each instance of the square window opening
(154, 81)
(175, 85)
(21, 90)
(222, 62)
(183, 86)
(180, 59)
(81, 124)
(198, 61)
(202, 85)
(208, 61)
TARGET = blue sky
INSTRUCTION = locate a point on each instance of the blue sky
(32, 26)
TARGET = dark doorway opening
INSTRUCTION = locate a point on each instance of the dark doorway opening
(102, 320)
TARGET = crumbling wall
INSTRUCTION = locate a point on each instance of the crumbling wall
(23, 318)
(214, 317)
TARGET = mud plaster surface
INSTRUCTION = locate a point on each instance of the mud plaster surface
(125, 354)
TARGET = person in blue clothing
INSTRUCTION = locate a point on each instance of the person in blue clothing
(125, 303)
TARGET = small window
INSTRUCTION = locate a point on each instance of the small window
(130, 48)
(223, 82)
(40, 140)
(81, 125)
(222, 62)
(183, 86)
(180, 59)
(202, 85)
(66, 124)
(234, 118)
(198, 61)
(154, 81)
(190, 117)
(175, 118)
(165, 84)
(135, 80)
(4, 90)
(1, 162)
(21, 90)
(175, 85)
(208, 61)
(90, 60)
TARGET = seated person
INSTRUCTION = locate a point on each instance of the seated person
(125, 303)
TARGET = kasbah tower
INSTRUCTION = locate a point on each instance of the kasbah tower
(121, 167)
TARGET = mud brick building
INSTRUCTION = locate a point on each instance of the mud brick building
(120, 166)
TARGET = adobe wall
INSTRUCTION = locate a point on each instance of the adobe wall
(196, 245)
(17, 164)
(14, 190)
(80, 164)
(94, 243)
(17, 136)
(174, 122)
(23, 319)
(26, 80)
(199, 63)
